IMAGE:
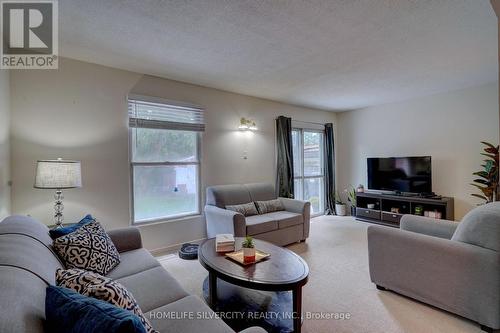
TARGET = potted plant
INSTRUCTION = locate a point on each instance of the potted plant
(340, 207)
(487, 179)
(248, 250)
(351, 197)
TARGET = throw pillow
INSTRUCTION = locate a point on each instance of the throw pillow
(269, 206)
(102, 288)
(247, 209)
(67, 311)
(56, 233)
(89, 247)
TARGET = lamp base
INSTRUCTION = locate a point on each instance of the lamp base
(58, 209)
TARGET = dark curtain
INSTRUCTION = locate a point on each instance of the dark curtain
(284, 176)
(329, 170)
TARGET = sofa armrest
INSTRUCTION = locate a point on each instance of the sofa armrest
(295, 206)
(455, 276)
(428, 226)
(223, 221)
(253, 329)
(126, 239)
(299, 207)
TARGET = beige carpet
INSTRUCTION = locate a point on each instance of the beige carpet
(339, 282)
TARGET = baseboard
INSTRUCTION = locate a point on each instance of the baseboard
(173, 248)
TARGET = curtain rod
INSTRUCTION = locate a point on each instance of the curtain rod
(309, 122)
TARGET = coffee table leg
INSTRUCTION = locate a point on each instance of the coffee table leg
(297, 309)
(212, 290)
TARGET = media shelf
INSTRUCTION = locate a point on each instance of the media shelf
(388, 209)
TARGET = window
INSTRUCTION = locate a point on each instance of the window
(165, 159)
(308, 170)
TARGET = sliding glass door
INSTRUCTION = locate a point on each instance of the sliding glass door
(308, 170)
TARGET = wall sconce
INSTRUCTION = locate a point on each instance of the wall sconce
(247, 124)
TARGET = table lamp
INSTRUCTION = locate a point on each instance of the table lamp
(58, 175)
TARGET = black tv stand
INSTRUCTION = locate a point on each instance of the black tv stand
(388, 208)
(401, 194)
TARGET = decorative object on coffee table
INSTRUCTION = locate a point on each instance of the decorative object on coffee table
(224, 243)
(487, 182)
(58, 175)
(244, 284)
(239, 257)
(248, 250)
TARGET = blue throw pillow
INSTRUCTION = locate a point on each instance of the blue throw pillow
(56, 233)
(66, 311)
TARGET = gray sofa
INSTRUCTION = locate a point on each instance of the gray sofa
(453, 266)
(28, 265)
(281, 228)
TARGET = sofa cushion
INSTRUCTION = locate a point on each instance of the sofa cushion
(259, 224)
(22, 296)
(26, 226)
(481, 227)
(133, 262)
(269, 206)
(247, 209)
(69, 312)
(102, 288)
(153, 288)
(225, 195)
(192, 316)
(27, 253)
(261, 191)
(88, 248)
(286, 219)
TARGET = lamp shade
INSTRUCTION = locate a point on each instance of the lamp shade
(58, 174)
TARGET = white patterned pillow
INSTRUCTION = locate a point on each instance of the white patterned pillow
(247, 209)
(102, 288)
(269, 206)
(88, 248)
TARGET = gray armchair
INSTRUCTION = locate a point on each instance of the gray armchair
(281, 227)
(453, 266)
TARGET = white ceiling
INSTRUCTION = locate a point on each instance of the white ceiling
(327, 54)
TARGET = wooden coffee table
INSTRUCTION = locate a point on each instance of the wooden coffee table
(282, 271)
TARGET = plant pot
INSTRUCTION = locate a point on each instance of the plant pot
(353, 210)
(248, 254)
(340, 209)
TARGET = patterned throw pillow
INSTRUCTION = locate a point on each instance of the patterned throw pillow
(89, 248)
(247, 209)
(269, 206)
(102, 288)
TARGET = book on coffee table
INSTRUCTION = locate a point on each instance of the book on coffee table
(224, 243)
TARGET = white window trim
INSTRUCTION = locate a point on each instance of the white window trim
(302, 176)
(172, 218)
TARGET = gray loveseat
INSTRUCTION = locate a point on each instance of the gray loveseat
(281, 228)
(28, 265)
(453, 266)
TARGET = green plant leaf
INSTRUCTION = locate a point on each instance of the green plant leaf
(489, 144)
(489, 155)
(479, 196)
(483, 174)
(481, 181)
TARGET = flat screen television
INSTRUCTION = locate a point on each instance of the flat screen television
(400, 174)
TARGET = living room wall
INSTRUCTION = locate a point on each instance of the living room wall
(447, 126)
(80, 112)
(4, 144)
